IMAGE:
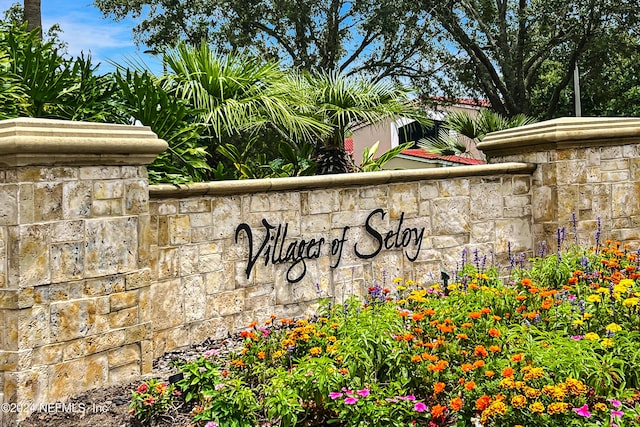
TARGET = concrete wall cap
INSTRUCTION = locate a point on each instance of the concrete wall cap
(34, 141)
(328, 181)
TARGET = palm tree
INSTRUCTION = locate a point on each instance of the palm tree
(237, 93)
(343, 103)
(460, 123)
(33, 15)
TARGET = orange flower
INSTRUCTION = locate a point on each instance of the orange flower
(485, 310)
(446, 328)
(429, 312)
(438, 387)
(437, 411)
(466, 325)
(475, 315)
(462, 336)
(261, 355)
(494, 332)
(521, 298)
(547, 304)
(517, 357)
(456, 404)
(417, 316)
(494, 349)
(489, 374)
(482, 402)
(478, 364)
(507, 372)
(480, 351)
(416, 358)
(466, 367)
(526, 282)
(429, 357)
(438, 367)
(470, 385)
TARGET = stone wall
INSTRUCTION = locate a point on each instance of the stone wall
(100, 273)
(200, 284)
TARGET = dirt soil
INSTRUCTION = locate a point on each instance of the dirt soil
(109, 407)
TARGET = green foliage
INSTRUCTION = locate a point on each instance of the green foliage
(370, 163)
(151, 400)
(475, 128)
(44, 83)
(147, 100)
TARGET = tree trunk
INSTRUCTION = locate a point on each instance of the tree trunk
(33, 15)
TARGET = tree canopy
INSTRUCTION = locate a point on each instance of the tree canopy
(382, 38)
(519, 55)
(503, 48)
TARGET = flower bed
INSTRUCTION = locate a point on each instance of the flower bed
(556, 343)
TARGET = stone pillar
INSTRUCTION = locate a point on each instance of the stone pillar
(588, 167)
(74, 258)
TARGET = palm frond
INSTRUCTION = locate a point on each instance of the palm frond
(444, 145)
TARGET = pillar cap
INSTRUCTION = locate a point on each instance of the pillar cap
(568, 132)
(34, 141)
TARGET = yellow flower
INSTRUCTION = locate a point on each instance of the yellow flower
(600, 406)
(398, 280)
(575, 387)
(587, 316)
(536, 408)
(614, 327)
(315, 351)
(578, 322)
(519, 401)
(557, 408)
(594, 298)
(278, 354)
(607, 342)
(531, 393)
(592, 336)
(401, 288)
(631, 302)
(626, 282)
(534, 374)
(602, 290)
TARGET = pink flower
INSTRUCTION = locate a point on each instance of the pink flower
(334, 395)
(212, 352)
(583, 411)
(419, 407)
(616, 413)
(350, 401)
(409, 397)
(363, 393)
(615, 403)
(142, 388)
(211, 424)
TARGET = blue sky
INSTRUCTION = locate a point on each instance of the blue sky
(85, 30)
